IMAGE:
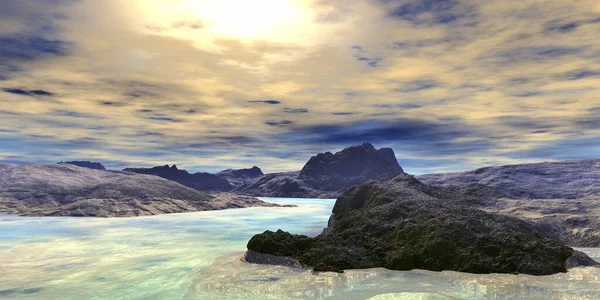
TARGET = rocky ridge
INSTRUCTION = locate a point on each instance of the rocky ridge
(403, 224)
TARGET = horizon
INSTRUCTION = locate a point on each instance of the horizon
(211, 85)
(216, 170)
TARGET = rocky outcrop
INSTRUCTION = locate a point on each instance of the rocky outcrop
(199, 181)
(240, 176)
(85, 164)
(574, 179)
(403, 224)
(327, 175)
(351, 166)
(69, 190)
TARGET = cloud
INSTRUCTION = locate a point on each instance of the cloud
(152, 82)
(295, 110)
(421, 12)
(22, 47)
(27, 93)
(265, 101)
(279, 123)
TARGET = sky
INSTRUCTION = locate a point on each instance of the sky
(213, 84)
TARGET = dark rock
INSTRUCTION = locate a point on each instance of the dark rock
(85, 164)
(268, 259)
(401, 225)
(327, 175)
(580, 259)
(351, 166)
(199, 181)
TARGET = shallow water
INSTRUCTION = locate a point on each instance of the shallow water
(197, 256)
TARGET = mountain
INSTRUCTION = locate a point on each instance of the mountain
(403, 224)
(351, 166)
(199, 181)
(240, 176)
(85, 164)
(327, 175)
(574, 179)
(69, 190)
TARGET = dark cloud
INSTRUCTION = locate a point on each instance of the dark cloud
(166, 119)
(265, 101)
(418, 85)
(422, 12)
(362, 55)
(24, 48)
(529, 123)
(279, 123)
(400, 129)
(22, 92)
(567, 26)
(342, 113)
(531, 54)
(295, 110)
(66, 113)
(580, 74)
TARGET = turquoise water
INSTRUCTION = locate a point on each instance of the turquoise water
(197, 256)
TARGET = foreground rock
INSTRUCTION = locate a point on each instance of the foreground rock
(68, 190)
(199, 181)
(327, 175)
(574, 179)
(403, 225)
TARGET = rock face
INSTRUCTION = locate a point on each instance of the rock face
(199, 181)
(69, 190)
(240, 176)
(573, 179)
(327, 175)
(85, 164)
(402, 224)
(351, 166)
(573, 222)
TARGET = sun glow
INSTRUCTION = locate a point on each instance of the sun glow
(285, 21)
(258, 19)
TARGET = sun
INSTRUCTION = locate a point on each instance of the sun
(251, 20)
(245, 20)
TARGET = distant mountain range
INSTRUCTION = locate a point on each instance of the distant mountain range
(199, 181)
(572, 179)
(560, 198)
(69, 190)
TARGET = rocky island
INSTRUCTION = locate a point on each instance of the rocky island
(69, 190)
(403, 224)
(327, 175)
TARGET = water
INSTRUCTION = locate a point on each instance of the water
(197, 256)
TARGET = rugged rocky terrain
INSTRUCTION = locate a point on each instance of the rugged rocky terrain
(327, 175)
(561, 198)
(200, 181)
(85, 164)
(573, 222)
(403, 224)
(240, 176)
(573, 179)
(69, 190)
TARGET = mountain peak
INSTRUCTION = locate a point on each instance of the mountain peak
(353, 165)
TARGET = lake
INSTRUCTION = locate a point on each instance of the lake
(197, 256)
